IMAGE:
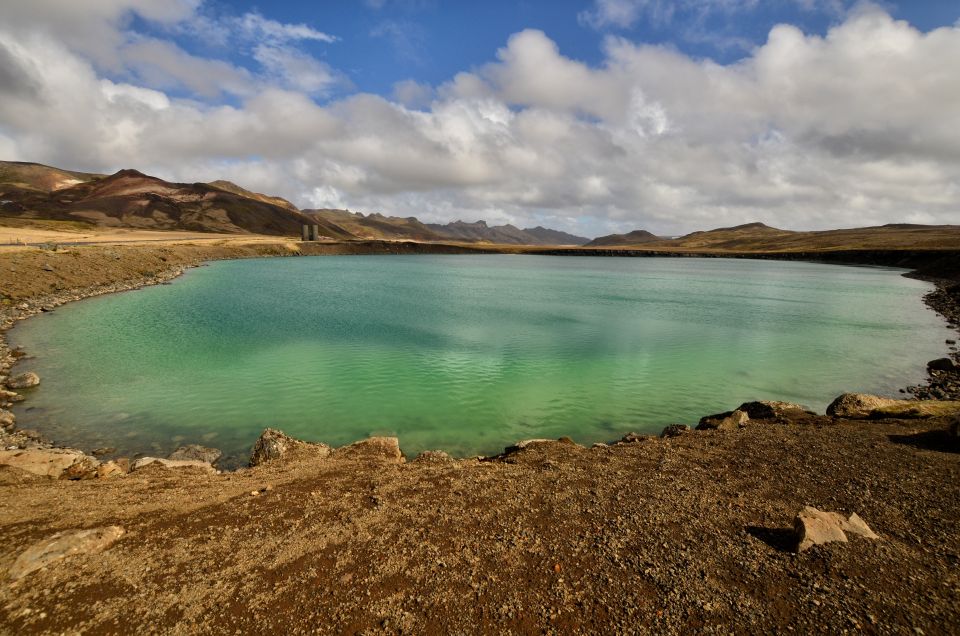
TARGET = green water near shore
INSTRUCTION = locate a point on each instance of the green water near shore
(464, 353)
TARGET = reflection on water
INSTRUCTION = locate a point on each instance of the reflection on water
(465, 353)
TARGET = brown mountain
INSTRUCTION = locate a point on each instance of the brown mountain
(229, 186)
(480, 232)
(133, 199)
(376, 226)
(637, 237)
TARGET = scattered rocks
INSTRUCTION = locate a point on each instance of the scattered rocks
(24, 380)
(858, 405)
(197, 453)
(769, 409)
(731, 420)
(942, 364)
(46, 462)
(62, 545)
(380, 448)
(675, 430)
(816, 527)
(143, 462)
(433, 457)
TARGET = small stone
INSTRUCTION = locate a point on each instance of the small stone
(109, 469)
(24, 380)
(48, 267)
(254, 493)
(951, 342)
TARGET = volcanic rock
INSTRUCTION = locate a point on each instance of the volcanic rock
(858, 405)
(728, 421)
(942, 364)
(675, 430)
(816, 527)
(765, 410)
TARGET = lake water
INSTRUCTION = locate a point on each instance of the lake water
(464, 353)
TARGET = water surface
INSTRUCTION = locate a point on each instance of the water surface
(464, 353)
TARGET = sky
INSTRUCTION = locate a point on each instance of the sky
(590, 116)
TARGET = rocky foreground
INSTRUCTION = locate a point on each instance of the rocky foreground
(767, 518)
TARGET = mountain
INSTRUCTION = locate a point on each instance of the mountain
(228, 186)
(637, 237)
(546, 236)
(480, 232)
(132, 199)
(376, 226)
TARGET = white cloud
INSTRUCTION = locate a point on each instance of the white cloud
(859, 126)
(255, 26)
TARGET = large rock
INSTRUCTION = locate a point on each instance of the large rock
(47, 462)
(816, 527)
(731, 420)
(143, 462)
(196, 452)
(7, 419)
(63, 545)
(110, 469)
(859, 405)
(769, 409)
(675, 430)
(376, 448)
(83, 468)
(942, 364)
(24, 380)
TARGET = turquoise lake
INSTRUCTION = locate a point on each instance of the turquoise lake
(464, 353)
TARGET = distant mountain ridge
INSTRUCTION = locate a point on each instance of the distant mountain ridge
(129, 198)
(636, 237)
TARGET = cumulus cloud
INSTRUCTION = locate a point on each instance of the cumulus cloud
(858, 126)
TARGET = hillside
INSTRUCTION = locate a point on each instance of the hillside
(132, 199)
(229, 186)
(637, 237)
(757, 237)
(376, 226)
(479, 231)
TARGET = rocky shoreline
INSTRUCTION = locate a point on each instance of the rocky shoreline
(766, 518)
(943, 381)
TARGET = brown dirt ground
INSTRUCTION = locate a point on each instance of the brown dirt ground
(667, 536)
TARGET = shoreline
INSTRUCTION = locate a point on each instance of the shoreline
(944, 299)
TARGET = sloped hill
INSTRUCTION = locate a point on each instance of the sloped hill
(130, 198)
(637, 237)
(229, 186)
(546, 236)
(40, 178)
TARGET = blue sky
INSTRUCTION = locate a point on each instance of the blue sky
(593, 117)
(382, 42)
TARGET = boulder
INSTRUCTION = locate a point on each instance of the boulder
(83, 468)
(816, 527)
(46, 462)
(110, 469)
(143, 462)
(197, 453)
(942, 364)
(23, 380)
(631, 438)
(675, 430)
(859, 405)
(63, 545)
(731, 420)
(272, 444)
(769, 409)
(377, 448)
(7, 419)
(433, 457)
